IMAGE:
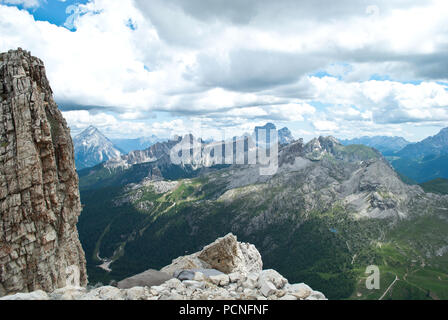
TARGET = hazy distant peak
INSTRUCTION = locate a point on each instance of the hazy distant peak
(93, 147)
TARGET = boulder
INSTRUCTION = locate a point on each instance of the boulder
(190, 274)
(172, 284)
(105, 293)
(68, 293)
(198, 276)
(272, 276)
(184, 275)
(226, 255)
(137, 293)
(189, 262)
(251, 258)
(194, 284)
(220, 280)
(267, 288)
(300, 290)
(236, 277)
(251, 280)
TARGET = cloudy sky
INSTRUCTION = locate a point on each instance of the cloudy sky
(323, 67)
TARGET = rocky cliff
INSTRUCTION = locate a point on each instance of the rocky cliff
(39, 196)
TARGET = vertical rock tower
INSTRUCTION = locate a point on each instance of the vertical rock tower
(39, 195)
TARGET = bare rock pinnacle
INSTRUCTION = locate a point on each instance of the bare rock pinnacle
(39, 195)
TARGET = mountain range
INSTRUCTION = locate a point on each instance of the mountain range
(416, 162)
(329, 212)
(386, 145)
(128, 145)
(92, 147)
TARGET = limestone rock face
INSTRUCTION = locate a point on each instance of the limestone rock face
(39, 196)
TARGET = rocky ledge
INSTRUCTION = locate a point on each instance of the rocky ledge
(224, 270)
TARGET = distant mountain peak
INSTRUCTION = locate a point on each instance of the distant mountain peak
(329, 139)
(268, 125)
(284, 134)
(93, 147)
(90, 131)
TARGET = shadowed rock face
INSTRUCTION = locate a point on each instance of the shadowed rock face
(39, 196)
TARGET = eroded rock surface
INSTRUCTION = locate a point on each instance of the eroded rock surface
(226, 254)
(39, 196)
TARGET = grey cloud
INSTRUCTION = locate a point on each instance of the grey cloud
(399, 116)
(269, 11)
(187, 108)
(173, 25)
(253, 70)
(431, 66)
(189, 23)
(196, 24)
(69, 106)
(301, 89)
(66, 106)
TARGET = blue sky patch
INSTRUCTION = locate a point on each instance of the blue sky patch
(53, 11)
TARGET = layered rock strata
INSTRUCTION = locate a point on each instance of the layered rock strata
(39, 195)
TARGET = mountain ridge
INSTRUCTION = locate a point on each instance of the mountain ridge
(434, 145)
(385, 144)
(425, 160)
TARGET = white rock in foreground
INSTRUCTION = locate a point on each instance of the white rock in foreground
(226, 254)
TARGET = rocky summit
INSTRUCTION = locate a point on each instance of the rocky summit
(39, 196)
(236, 274)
